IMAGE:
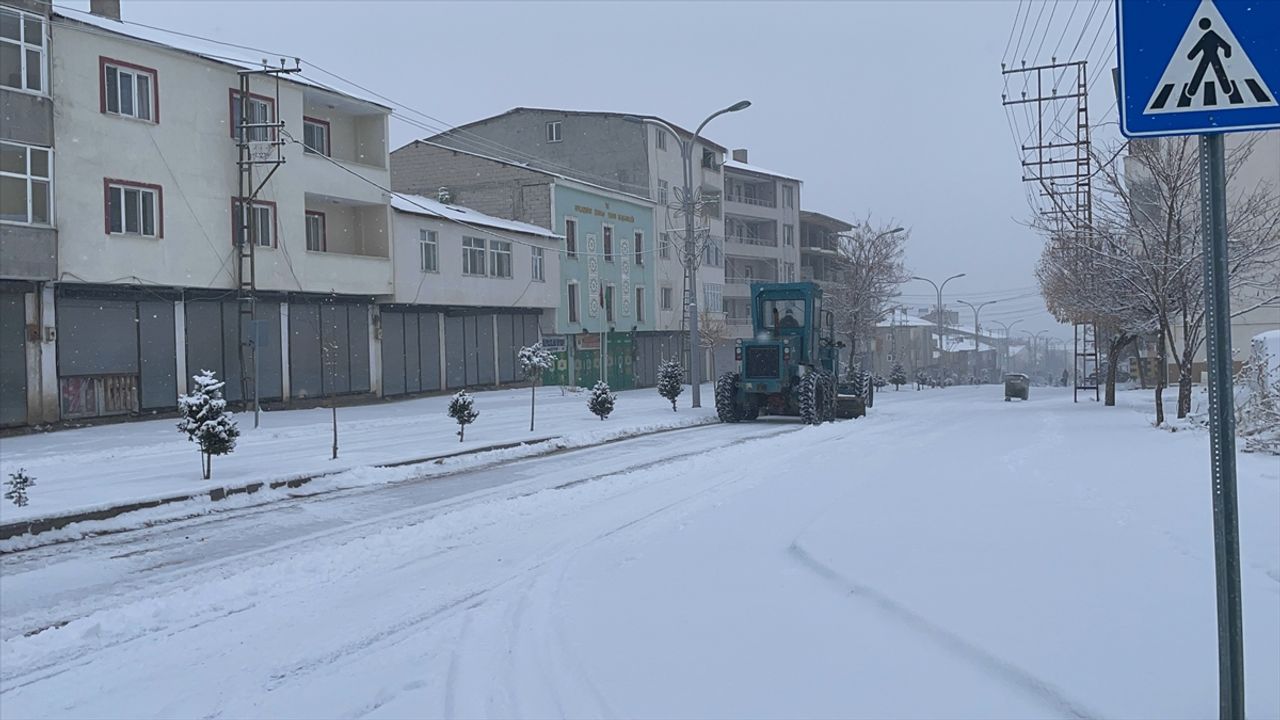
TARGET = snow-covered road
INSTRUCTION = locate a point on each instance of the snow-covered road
(950, 556)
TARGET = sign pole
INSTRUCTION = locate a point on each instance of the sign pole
(1222, 432)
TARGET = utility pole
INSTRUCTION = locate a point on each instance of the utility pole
(258, 142)
(938, 308)
(976, 329)
(688, 206)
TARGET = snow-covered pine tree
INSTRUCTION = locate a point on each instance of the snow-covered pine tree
(206, 420)
(534, 359)
(671, 380)
(880, 381)
(18, 483)
(463, 410)
(601, 400)
(898, 376)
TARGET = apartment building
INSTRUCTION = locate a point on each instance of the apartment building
(820, 247)
(762, 229)
(470, 290)
(28, 234)
(150, 224)
(605, 324)
(634, 154)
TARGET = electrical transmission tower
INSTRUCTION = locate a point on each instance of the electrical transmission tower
(259, 145)
(1057, 158)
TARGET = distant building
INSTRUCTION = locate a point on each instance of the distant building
(606, 264)
(762, 231)
(631, 155)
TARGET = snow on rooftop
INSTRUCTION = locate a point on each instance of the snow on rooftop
(241, 57)
(906, 321)
(419, 205)
(734, 164)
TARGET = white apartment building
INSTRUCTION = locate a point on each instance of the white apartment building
(761, 240)
(470, 290)
(148, 290)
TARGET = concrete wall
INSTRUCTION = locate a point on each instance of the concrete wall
(191, 155)
(493, 188)
(448, 286)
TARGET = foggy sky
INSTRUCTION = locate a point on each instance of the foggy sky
(887, 108)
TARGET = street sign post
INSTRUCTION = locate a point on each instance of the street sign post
(1200, 67)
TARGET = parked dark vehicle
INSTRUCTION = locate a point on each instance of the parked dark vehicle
(1016, 385)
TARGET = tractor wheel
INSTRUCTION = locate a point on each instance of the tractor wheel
(727, 398)
(809, 398)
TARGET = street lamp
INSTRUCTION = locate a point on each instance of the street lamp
(976, 328)
(938, 310)
(1035, 358)
(688, 207)
(1008, 328)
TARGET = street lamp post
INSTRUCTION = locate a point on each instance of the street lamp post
(938, 308)
(1008, 328)
(976, 329)
(1035, 357)
(690, 247)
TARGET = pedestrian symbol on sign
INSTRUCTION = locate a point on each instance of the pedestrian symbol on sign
(1187, 85)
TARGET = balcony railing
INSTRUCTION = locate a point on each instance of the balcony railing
(745, 240)
(738, 280)
(760, 202)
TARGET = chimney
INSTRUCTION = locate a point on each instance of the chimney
(105, 8)
(443, 196)
(740, 155)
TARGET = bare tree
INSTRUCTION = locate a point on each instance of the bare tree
(871, 262)
(1140, 260)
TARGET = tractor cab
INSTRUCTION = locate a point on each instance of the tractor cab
(788, 367)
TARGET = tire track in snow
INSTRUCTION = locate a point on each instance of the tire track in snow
(994, 666)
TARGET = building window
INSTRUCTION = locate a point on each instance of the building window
(22, 51)
(789, 272)
(500, 258)
(788, 196)
(473, 260)
(788, 235)
(259, 217)
(128, 90)
(711, 253)
(665, 298)
(315, 232)
(428, 251)
(553, 131)
(607, 231)
(639, 248)
(608, 303)
(26, 183)
(315, 136)
(570, 237)
(639, 304)
(134, 209)
(664, 246)
(712, 294)
(538, 270)
(709, 160)
(262, 110)
(663, 187)
(660, 138)
(573, 302)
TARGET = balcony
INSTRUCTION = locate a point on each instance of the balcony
(341, 226)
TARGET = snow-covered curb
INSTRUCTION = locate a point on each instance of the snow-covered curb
(144, 512)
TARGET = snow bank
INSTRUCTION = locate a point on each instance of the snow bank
(89, 469)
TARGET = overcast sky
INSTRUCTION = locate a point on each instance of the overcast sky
(886, 108)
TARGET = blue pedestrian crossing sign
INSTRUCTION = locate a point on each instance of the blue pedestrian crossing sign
(1198, 66)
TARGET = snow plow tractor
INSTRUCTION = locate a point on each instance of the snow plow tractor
(790, 365)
